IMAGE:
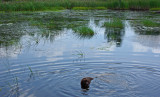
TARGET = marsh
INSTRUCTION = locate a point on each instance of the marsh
(41, 55)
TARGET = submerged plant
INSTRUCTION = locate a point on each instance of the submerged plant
(115, 23)
(84, 32)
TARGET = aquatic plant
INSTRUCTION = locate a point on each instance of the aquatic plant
(155, 9)
(79, 54)
(30, 70)
(89, 8)
(84, 32)
(53, 5)
(115, 23)
(150, 23)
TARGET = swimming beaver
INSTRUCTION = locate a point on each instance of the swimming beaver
(85, 82)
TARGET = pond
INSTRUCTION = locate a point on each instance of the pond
(41, 55)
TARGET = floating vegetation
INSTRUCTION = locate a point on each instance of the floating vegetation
(84, 32)
(115, 23)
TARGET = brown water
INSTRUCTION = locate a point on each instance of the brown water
(42, 56)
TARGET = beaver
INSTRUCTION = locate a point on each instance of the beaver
(85, 82)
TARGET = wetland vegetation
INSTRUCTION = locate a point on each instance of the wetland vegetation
(84, 32)
(54, 5)
(115, 23)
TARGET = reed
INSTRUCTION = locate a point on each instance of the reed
(41, 5)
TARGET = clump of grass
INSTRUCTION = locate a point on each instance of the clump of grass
(81, 8)
(89, 8)
(150, 23)
(54, 9)
(84, 32)
(155, 9)
(115, 23)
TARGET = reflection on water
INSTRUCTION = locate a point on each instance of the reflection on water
(115, 35)
(40, 55)
(144, 43)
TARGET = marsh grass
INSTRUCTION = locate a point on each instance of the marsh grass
(133, 4)
(49, 5)
(150, 23)
(44, 5)
(115, 23)
(155, 9)
(50, 25)
(84, 32)
(89, 8)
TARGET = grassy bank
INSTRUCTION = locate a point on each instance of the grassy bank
(40, 5)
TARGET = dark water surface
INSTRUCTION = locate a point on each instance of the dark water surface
(42, 56)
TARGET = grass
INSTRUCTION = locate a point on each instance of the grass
(155, 9)
(89, 8)
(150, 23)
(52, 5)
(114, 23)
(84, 32)
(133, 4)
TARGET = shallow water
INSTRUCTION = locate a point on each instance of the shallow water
(41, 55)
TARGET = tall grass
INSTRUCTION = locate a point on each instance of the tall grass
(39, 5)
(44, 5)
(133, 4)
(115, 23)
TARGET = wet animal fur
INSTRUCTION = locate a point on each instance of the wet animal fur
(85, 82)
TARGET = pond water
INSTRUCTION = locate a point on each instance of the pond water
(42, 56)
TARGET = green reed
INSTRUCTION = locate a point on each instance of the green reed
(41, 5)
